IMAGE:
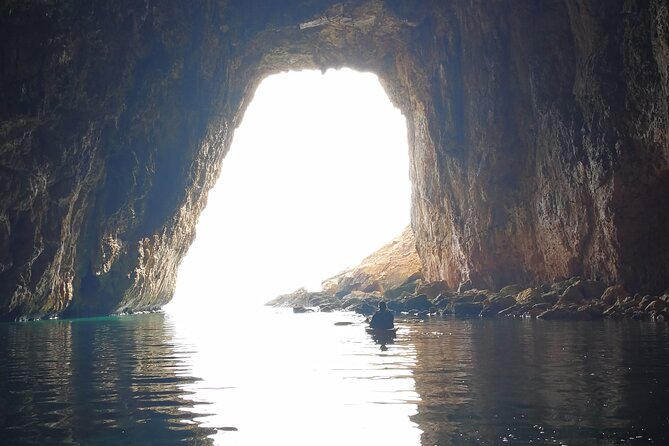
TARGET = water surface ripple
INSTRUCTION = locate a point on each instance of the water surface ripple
(510, 381)
(300, 379)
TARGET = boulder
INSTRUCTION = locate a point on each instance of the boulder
(417, 303)
(465, 286)
(527, 296)
(513, 310)
(302, 310)
(630, 302)
(662, 316)
(499, 301)
(592, 289)
(492, 306)
(555, 314)
(511, 289)
(479, 297)
(364, 308)
(656, 305)
(561, 286)
(467, 308)
(614, 312)
(443, 300)
(489, 312)
(565, 313)
(572, 294)
(432, 289)
(328, 308)
(640, 315)
(403, 290)
(613, 293)
(590, 311)
(645, 301)
(550, 297)
(396, 306)
(537, 309)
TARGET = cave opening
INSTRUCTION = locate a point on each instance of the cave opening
(316, 179)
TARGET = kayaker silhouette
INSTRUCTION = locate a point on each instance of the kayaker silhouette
(382, 319)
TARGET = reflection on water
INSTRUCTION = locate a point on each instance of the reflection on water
(537, 382)
(302, 380)
(162, 379)
(94, 381)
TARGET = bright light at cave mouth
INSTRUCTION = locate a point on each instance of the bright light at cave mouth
(316, 179)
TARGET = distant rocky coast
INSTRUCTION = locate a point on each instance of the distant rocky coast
(573, 299)
(393, 274)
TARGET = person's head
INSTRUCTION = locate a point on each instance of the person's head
(382, 305)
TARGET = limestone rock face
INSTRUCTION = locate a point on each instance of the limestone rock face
(109, 141)
(388, 268)
(538, 133)
(546, 152)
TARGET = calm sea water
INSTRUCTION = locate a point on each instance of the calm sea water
(299, 379)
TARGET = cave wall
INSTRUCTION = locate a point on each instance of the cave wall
(538, 134)
(106, 152)
(549, 127)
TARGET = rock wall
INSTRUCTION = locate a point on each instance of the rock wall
(388, 268)
(110, 139)
(538, 134)
(547, 124)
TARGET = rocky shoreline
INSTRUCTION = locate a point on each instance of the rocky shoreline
(572, 299)
(394, 274)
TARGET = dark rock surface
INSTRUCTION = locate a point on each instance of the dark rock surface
(538, 131)
(567, 301)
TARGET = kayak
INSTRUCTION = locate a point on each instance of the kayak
(381, 331)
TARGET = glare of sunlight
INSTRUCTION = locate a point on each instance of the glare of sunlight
(316, 179)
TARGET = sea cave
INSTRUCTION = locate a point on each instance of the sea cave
(538, 136)
(530, 292)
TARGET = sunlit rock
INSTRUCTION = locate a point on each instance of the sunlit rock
(392, 270)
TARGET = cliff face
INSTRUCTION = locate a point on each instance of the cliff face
(539, 134)
(547, 124)
(109, 142)
(387, 268)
